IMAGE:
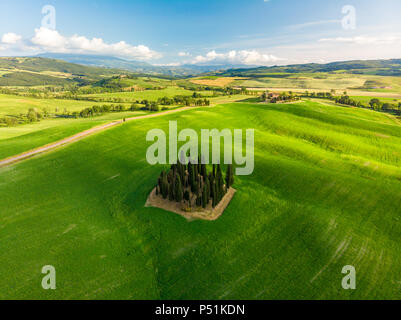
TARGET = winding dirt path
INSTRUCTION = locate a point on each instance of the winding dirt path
(81, 135)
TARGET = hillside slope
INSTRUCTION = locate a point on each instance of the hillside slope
(134, 66)
(23, 71)
(373, 67)
(324, 194)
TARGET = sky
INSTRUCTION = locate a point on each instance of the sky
(205, 32)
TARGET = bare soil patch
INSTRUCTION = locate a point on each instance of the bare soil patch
(209, 213)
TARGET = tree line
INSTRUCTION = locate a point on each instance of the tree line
(194, 100)
(33, 115)
(345, 99)
(374, 104)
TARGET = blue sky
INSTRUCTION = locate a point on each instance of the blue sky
(206, 32)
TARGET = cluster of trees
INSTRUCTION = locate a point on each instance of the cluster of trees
(192, 185)
(178, 100)
(9, 121)
(194, 100)
(221, 90)
(33, 115)
(148, 106)
(99, 110)
(227, 91)
(322, 95)
(344, 99)
(374, 104)
(247, 92)
(281, 97)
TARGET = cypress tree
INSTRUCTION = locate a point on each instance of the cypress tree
(171, 191)
(219, 173)
(192, 180)
(196, 170)
(180, 170)
(186, 195)
(190, 171)
(159, 181)
(170, 176)
(214, 198)
(164, 189)
(197, 185)
(205, 199)
(211, 182)
(219, 183)
(207, 185)
(203, 170)
(198, 201)
(199, 164)
(186, 179)
(229, 176)
(178, 189)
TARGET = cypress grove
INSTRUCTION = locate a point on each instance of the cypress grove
(193, 185)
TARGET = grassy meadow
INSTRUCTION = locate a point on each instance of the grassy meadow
(142, 82)
(323, 81)
(325, 193)
(151, 95)
(22, 138)
(13, 105)
(365, 99)
(26, 137)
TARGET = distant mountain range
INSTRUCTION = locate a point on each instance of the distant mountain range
(377, 67)
(136, 66)
(62, 69)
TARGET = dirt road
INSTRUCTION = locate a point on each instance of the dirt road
(81, 135)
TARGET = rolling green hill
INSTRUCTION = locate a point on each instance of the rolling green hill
(325, 193)
(380, 76)
(151, 95)
(373, 67)
(45, 64)
(23, 71)
(134, 66)
(11, 105)
(21, 78)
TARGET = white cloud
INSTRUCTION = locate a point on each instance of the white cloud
(10, 38)
(247, 57)
(52, 41)
(47, 38)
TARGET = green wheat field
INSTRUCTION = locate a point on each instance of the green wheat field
(325, 193)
